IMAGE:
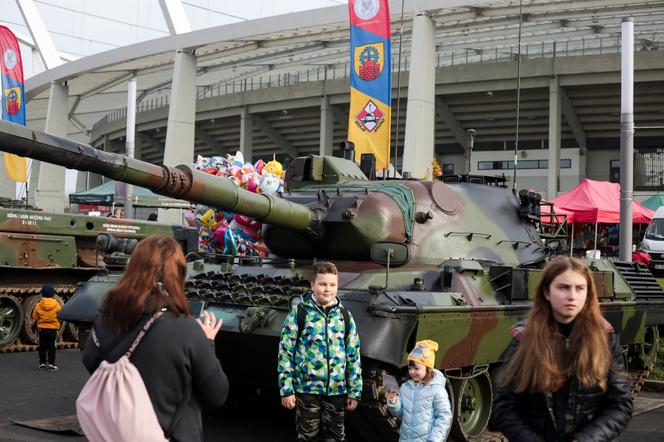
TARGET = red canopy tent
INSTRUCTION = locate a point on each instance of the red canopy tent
(597, 202)
(560, 215)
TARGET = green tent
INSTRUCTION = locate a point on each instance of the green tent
(112, 193)
(654, 201)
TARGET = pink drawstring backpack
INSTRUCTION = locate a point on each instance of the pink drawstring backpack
(114, 405)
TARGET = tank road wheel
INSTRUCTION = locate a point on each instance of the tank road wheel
(473, 399)
(70, 333)
(650, 346)
(372, 421)
(11, 319)
(29, 332)
(648, 357)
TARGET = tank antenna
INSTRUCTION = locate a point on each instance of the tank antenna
(396, 137)
(26, 185)
(518, 98)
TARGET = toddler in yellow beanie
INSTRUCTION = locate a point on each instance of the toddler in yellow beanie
(422, 400)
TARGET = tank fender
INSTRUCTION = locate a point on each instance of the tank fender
(83, 306)
(383, 337)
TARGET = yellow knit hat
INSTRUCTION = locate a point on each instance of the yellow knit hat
(424, 353)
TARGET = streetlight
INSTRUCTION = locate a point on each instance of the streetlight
(471, 143)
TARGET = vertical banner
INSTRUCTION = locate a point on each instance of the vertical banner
(370, 115)
(13, 97)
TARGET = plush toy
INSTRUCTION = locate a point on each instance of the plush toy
(190, 218)
(269, 183)
(210, 220)
(230, 243)
(226, 232)
(275, 168)
(258, 166)
(247, 228)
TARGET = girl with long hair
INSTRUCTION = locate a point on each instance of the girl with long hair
(563, 379)
(176, 359)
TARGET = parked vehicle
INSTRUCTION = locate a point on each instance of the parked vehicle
(653, 242)
(38, 247)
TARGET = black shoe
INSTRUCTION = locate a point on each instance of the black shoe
(52, 367)
(43, 367)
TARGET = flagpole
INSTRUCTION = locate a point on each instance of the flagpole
(396, 135)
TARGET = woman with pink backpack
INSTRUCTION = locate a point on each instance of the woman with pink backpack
(145, 325)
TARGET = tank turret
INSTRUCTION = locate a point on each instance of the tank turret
(329, 208)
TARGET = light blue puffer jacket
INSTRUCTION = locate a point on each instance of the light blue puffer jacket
(426, 414)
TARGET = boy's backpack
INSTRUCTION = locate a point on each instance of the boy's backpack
(114, 405)
(302, 316)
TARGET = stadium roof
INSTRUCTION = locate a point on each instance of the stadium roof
(304, 42)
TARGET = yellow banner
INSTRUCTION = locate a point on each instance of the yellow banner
(369, 127)
(16, 167)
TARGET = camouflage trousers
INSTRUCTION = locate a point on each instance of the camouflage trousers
(319, 418)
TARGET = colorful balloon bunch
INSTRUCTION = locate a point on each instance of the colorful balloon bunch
(229, 233)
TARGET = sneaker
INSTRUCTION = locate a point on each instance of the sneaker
(43, 367)
(52, 367)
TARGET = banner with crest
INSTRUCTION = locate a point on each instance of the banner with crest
(370, 115)
(13, 97)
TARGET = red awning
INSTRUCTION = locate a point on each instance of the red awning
(598, 202)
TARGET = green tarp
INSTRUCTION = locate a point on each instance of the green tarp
(112, 193)
(654, 202)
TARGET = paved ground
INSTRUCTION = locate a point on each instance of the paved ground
(28, 393)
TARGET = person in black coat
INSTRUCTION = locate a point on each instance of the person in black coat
(563, 379)
(176, 359)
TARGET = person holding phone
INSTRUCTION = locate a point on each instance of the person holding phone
(176, 359)
(422, 401)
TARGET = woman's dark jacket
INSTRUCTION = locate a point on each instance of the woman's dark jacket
(574, 412)
(175, 359)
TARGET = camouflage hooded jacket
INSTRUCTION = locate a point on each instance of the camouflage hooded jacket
(323, 360)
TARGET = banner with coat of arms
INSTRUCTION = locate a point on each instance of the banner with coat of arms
(369, 119)
(13, 97)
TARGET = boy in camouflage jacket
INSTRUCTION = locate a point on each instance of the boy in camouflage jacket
(319, 366)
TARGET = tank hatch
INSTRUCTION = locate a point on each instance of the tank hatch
(316, 169)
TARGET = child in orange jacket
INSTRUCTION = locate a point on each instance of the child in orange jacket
(45, 315)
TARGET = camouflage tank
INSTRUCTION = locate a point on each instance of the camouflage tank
(39, 247)
(456, 263)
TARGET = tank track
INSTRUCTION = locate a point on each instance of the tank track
(372, 420)
(639, 375)
(18, 347)
(21, 293)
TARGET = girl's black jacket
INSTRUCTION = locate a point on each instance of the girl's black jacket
(575, 412)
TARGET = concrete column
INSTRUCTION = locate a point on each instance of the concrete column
(553, 173)
(49, 190)
(179, 147)
(246, 135)
(419, 138)
(326, 127)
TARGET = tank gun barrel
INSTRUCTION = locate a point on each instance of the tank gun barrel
(181, 182)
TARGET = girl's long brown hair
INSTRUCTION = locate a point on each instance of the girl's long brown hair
(540, 363)
(156, 259)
